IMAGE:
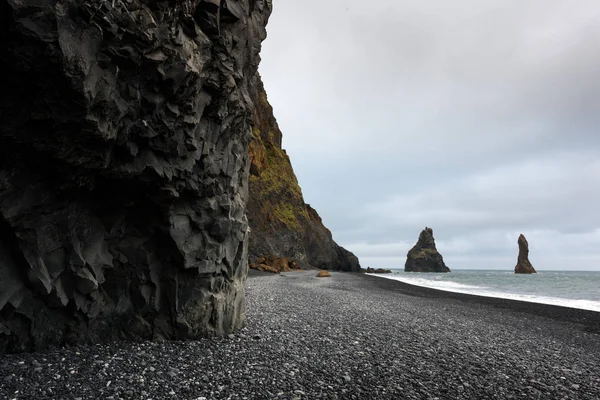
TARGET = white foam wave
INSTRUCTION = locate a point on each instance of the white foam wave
(442, 285)
(455, 287)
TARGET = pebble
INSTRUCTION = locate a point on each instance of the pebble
(352, 338)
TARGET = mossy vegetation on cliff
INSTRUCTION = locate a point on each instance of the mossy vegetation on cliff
(281, 223)
(281, 197)
(423, 253)
(272, 177)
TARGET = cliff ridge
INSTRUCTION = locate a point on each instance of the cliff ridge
(281, 223)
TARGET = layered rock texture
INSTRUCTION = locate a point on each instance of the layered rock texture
(282, 223)
(124, 167)
(424, 257)
(523, 265)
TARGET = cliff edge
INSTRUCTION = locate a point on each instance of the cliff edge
(281, 223)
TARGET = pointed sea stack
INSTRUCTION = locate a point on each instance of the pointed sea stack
(523, 265)
(424, 257)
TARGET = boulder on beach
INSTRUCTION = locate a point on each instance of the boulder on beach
(274, 264)
(323, 274)
(424, 257)
(523, 265)
(378, 271)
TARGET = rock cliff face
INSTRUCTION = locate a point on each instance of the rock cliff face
(523, 265)
(424, 257)
(281, 223)
(124, 167)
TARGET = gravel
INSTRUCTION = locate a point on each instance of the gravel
(346, 337)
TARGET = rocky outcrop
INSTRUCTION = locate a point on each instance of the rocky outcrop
(324, 274)
(378, 271)
(523, 265)
(424, 257)
(124, 167)
(274, 264)
(282, 223)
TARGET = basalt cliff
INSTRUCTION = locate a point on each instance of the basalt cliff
(281, 223)
(124, 134)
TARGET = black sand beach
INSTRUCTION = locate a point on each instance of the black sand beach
(347, 337)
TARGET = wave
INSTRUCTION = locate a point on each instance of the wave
(442, 285)
(484, 291)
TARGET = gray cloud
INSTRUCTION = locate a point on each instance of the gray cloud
(477, 118)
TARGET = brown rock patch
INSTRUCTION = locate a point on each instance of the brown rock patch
(274, 264)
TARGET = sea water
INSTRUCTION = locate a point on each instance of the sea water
(563, 288)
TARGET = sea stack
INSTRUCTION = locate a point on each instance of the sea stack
(523, 265)
(424, 257)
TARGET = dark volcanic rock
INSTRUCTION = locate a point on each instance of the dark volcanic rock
(274, 264)
(124, 167)
(377, 271)
(282, 223)
(523, 265)
(424, 257)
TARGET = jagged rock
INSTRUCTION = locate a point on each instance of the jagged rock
(378, 271)
(323, 274)
(124, 168)
(274, 264)
(424, 257)
(264, 268)
(281, 222)
(523, 265)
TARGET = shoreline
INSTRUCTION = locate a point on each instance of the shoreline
(588, 318)
(350, 336)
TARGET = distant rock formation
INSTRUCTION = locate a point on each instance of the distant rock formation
(424, 257)
(378, 271)
(274, 264)
(281, 222)
(523, 265)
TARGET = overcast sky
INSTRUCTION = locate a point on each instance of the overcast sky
(480, 119)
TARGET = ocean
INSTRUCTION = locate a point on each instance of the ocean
(563, 288)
